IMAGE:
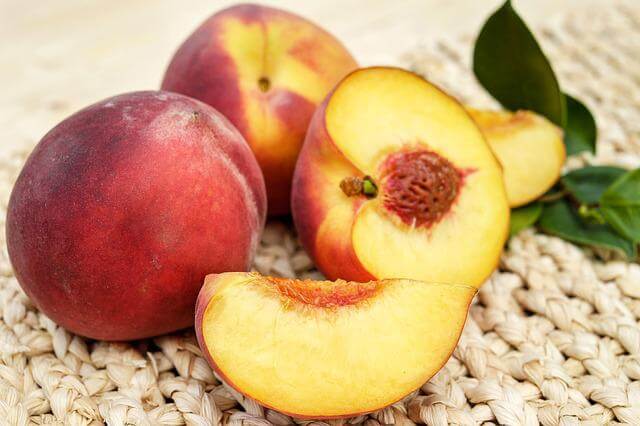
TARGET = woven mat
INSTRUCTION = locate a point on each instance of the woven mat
(553, 337)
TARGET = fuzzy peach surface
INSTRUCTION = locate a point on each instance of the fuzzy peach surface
(123, 208)
(266, 70)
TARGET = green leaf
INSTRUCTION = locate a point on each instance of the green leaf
(509, 63)
(620, 205)
(589, 183)
(524, 217)
(560, 219)
(580, 131)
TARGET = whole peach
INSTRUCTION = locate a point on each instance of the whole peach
(124, 207)
(266, 70)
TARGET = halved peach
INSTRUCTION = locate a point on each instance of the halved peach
(396, 180)
(327, 349)
(529, 147)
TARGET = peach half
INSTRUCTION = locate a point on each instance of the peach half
(396, 180)
(321, 349)
(266, 70)
(529, 147)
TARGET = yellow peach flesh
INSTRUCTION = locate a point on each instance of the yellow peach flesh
(312, 360)
(376, 112)
(530, 149)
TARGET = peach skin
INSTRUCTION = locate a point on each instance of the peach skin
(266, 70)
(123, 208)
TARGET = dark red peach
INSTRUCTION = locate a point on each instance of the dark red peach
(124, 207)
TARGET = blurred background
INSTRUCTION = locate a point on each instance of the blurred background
(59, 56)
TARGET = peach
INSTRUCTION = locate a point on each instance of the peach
(266, 70)
(328, 349)
(530, 149)
(124, 207)
(396, 180)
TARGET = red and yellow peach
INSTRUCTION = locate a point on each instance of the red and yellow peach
(266, 70)
(124, 207)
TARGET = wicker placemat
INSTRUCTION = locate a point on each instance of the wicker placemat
(553, 337)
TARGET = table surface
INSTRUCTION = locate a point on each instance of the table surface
(60, 56)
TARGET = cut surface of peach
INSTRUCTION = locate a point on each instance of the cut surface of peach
(328, 349)
(530, 149)
(438, 209)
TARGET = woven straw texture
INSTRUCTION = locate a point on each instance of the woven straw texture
(552, 338)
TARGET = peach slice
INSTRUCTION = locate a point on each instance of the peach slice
(396, 180)
(528, 146)
(321, 349)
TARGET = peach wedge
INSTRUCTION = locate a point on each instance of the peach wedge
(529, 147)
(395, 180)
(320, 349)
